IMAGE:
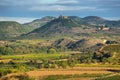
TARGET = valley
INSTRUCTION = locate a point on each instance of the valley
(60, 48)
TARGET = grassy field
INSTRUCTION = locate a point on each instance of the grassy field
(82, 71)
(73, 77)
(76, 73)
(34, 41)
(98, 65)
(34, 56)
(116, 77)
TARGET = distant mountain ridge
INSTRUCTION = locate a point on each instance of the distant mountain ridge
(90, 20)
(70, 25)
(51, 26)
(59, 26)
(95, 20)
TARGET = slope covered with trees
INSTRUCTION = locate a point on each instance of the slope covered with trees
(10, 29)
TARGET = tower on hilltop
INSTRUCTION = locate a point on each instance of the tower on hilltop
(63, 17)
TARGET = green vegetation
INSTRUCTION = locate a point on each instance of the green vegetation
(116, 77)
(18, 77)
(4, 72)
(95, 20)
(22, 48)
(47, 57)
(27, 62)
(10, 29)
(97, 65)
(112, 48)
(101, 55)
(66, 77)
(53, 27)
(67, 42)
(39, 22)
(56, 27)
(34, 56)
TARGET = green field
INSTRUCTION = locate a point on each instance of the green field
(29, 55)
(116, 77)
(34, 56)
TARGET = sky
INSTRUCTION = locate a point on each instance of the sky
(27, 10)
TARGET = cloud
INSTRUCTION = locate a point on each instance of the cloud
(64, 8)
(35, 2)
(61, 1)
(25, 2)
(47, 1)
(60, 5)
(30, 8)
(112, 18)
(17, 19)
(67, 2)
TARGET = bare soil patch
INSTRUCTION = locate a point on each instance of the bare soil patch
(77, 70)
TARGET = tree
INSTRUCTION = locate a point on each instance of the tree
(63, 64)
(21, 67)
(98, 55)
(9, 50)
(6, 50)
(52, 51)
(46, 65)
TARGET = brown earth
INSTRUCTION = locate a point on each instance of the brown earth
(5, 60)
(76, 70)
(38, 74)
(59, 72)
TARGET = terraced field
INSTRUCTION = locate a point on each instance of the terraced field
(76, 73)
(87, 73)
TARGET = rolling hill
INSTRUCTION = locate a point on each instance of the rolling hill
(79, 44)
(95, 20)
(70, 26)
(10, 29)
(39, 22)
(62, 26)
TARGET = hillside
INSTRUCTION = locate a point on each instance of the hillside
(79, 44)
(114, 48)
(95, 20)
(9, 29)
(62, 26)
(89, 20)
(40, 22)
(71, 26)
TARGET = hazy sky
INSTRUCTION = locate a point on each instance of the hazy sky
(27, 10)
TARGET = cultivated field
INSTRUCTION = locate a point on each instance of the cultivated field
(29, 66)
(75, 73)
(75, 70)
